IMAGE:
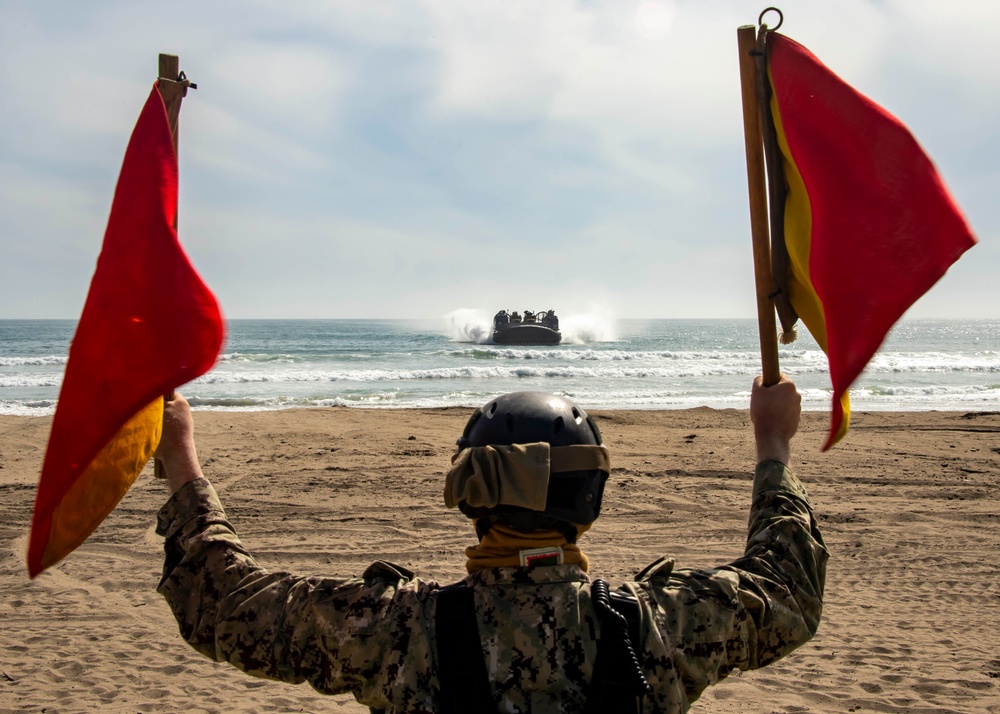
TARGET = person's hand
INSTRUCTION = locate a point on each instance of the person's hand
(775, 413)
(177, 451)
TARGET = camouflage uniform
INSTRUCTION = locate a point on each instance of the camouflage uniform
(374, 636)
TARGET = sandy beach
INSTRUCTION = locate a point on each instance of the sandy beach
(909, 505)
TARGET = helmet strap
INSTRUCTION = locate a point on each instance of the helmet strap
(529, 523)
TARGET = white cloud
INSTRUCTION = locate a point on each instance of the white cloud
(301, 86)
(376, 159)
(236, 145)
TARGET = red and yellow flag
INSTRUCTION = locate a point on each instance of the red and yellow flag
(149, 325)
(869, 224)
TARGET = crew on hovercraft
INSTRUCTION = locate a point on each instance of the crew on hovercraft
(546, 318)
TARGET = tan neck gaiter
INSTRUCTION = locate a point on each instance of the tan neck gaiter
(505, 547)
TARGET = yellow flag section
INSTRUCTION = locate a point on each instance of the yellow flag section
(99, 489)
(869, 225)
(149, 325)
(801, 293)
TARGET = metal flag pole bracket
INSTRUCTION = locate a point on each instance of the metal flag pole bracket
(760, 18)
(182, 78)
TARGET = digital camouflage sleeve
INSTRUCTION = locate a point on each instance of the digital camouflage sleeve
(374, 635)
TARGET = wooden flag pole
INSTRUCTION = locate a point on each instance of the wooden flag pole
(173, 86)
(757, 185)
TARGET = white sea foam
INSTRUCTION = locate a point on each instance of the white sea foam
(27, 361)
(21, 380)
(32, 408)
(263, 357)
(555, 371)
(935, 362)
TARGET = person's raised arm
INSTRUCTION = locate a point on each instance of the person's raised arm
(775, 413)
(268, 624)
(763, 605)
(177, 450)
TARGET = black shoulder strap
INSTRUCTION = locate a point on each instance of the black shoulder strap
(628, 607)
(618, 683)
(465, 684)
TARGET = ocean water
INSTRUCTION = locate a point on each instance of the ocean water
(602, 363)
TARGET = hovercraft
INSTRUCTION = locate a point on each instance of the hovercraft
(541, 328)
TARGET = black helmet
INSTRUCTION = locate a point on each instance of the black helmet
(574, 497)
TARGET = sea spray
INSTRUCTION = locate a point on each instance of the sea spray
(469, 325)
(598, 325)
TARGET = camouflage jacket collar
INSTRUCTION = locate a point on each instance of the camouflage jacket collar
(538, 575)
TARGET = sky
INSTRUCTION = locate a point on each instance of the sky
(377, 159)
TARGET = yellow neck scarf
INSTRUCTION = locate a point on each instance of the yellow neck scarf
(504, 547)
